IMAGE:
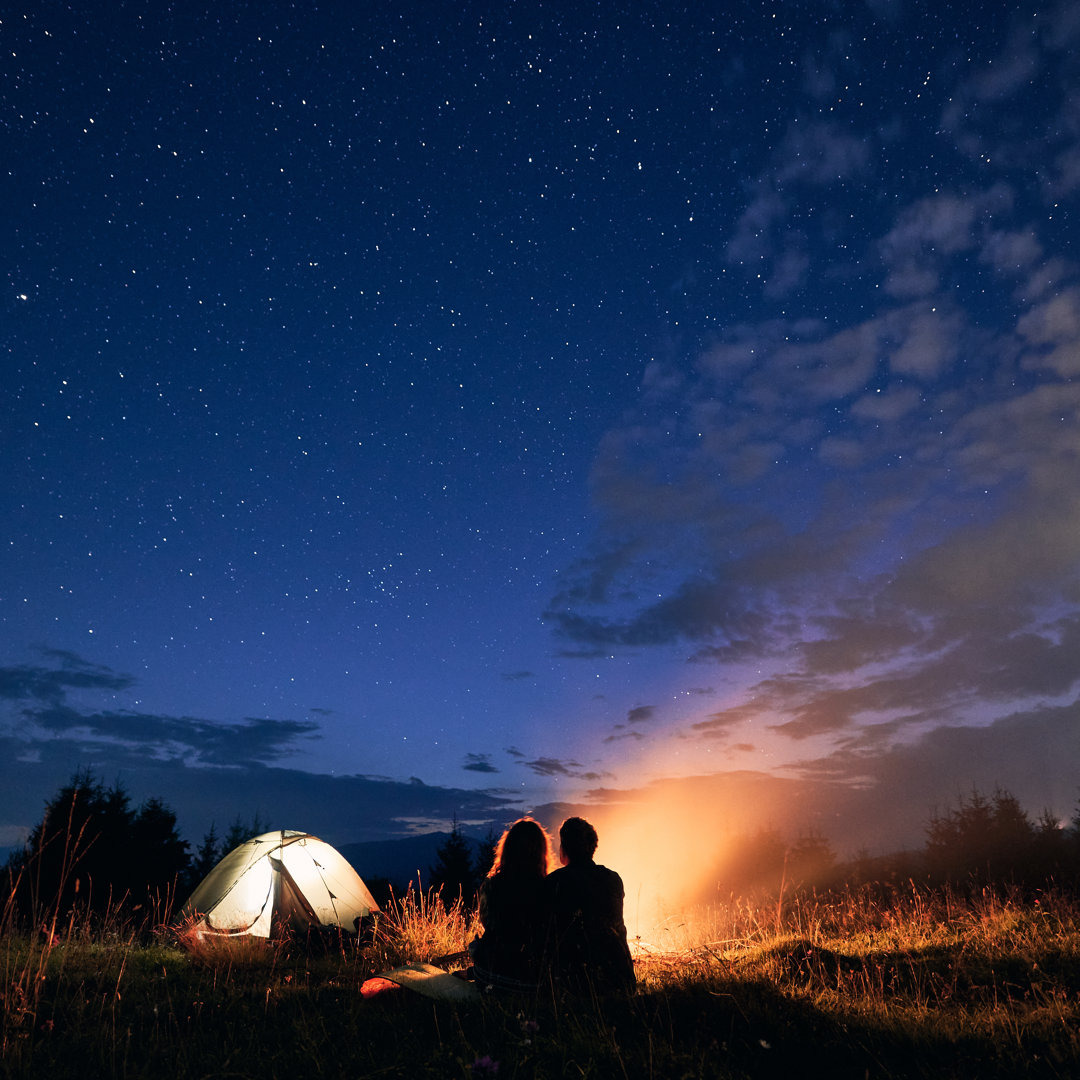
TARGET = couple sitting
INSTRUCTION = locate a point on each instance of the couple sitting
(566, 926)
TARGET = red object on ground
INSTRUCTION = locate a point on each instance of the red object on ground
(377, 985)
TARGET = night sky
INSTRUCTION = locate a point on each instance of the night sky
(427, 411)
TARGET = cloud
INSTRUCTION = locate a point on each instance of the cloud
(813, 155)
(640, 714)
(1019, 752)
(697, 610)
(340, 809)
(1011, 251)
(819, 78)
(1050, 331)
(46, 716)
(752, 237)
(1014, 69)
(872, 797)
(987, 665)
(887, 407)
(1009, 110)
(820, 153)
(480, 763)
(181, 759)
(788, 273)
(863, 798)
(865, 519)
(621, 735)
(1065, 179)
(924, 340)
(161, 737)
(718, 725)
(560, 767)
(932, 230)
(28, 682)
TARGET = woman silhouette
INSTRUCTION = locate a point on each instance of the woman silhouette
(513, 913)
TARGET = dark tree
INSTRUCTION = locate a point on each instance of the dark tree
(1050, 849)
(162, 855)
(207, 856)
(92, 852)
(982, 840)
(241, 831)
(811, 860)
(755, 861)
(485, 855)
(453, 875)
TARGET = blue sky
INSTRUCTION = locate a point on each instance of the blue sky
(425, 413)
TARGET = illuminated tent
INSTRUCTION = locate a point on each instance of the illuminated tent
(279, 879)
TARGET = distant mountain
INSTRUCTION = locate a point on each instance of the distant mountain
(400, 861)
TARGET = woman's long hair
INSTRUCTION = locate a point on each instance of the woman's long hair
(523, 849)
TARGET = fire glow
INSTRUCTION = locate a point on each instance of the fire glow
(670, 845)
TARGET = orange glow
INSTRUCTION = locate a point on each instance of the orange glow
(669, 843)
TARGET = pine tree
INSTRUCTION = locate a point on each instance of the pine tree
(453, 875)
(485, 855)
(241, 831)
(811, 860)
(983, 839)
(92, 851)
(208, 854)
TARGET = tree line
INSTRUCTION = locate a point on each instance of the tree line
(93, 851)
(982, 840)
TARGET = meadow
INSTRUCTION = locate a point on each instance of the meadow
(898, 981)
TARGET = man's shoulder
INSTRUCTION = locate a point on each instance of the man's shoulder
(587, 875)
(609, 880)
(562, 874)
(573, 876)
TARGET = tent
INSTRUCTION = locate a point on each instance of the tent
(279, 878)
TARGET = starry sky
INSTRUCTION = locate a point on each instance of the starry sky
(418, 412)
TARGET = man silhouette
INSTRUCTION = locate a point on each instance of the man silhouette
(588, 945)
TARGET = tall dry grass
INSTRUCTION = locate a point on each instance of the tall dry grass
(898, 980)
(417, 927)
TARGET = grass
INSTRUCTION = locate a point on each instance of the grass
(868, 983)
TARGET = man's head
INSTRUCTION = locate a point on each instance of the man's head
(577, 839)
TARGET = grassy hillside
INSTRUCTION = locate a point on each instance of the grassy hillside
(868, 983)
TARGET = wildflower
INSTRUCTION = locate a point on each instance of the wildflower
(485, 1068)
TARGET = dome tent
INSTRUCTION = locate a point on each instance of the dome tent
(279, 878)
